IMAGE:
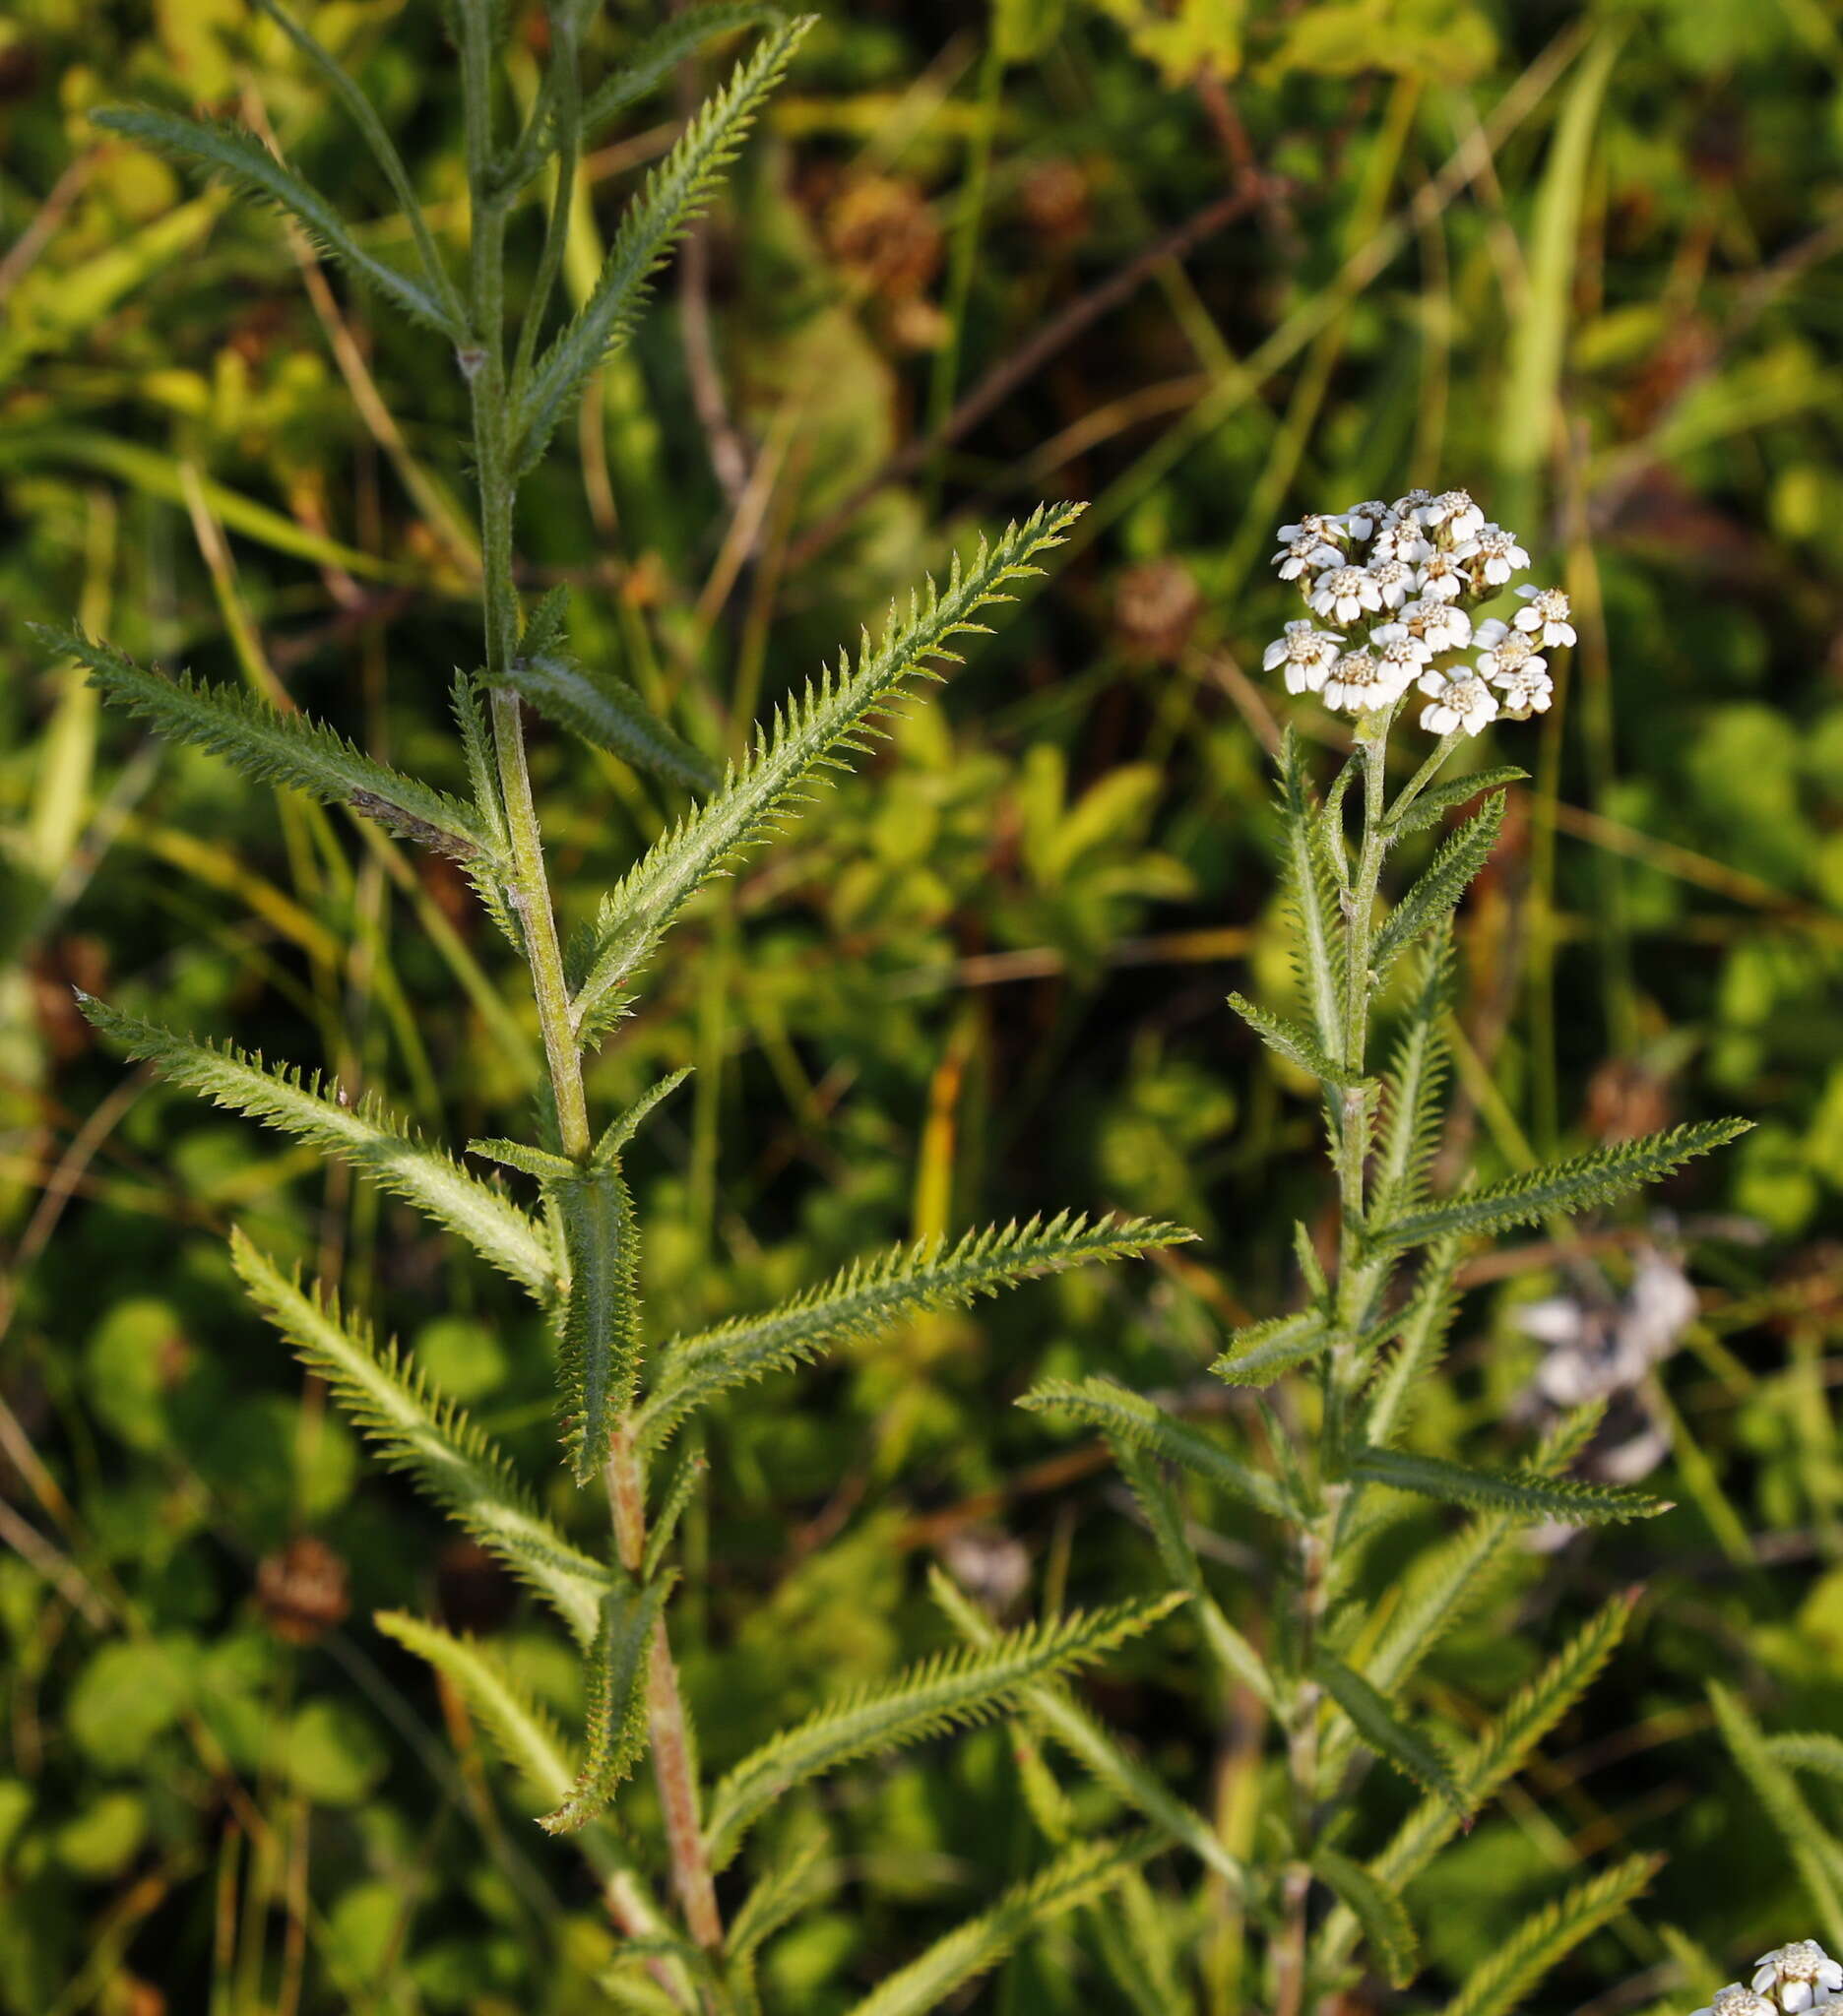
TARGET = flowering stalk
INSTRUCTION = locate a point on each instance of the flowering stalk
(1392, 590)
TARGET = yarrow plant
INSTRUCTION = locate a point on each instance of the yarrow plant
(572, 1241)
(1395, 592)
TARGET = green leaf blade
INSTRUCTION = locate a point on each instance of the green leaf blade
(1527, 1496)
(607, 714)
(363, 1136)
(616, 1704)
(832, 716)
(451, 1458)
(1380, 1729)
(599, 1360)
(1446, 879)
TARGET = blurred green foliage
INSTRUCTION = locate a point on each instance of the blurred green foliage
(1581, 259)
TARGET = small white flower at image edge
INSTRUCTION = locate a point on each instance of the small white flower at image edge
(1800, 1976)
(1737, 2001)
(1304, 553)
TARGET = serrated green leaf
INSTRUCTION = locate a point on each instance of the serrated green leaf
(599, 1364)
(625, 1126)
(1262, 1352)
(362, 1135)
(955, 1690)
(1796, 1825)
(276, 749)
(450, 1455)
(238, 158)
(678, 1496)
(1412, 1089)
(607, 714)
(797, 1877)
(1378, 1909)
(1295, 1043)
(1811, 1750)
(810, 734)
(1380, 1729)
(1432, 806)
(654, 60)
(523, 1732)
(485, 871)
(1435, 895)
(1082, 1876)
(1118, 1411)
(1305, 881)
(670, 203)
(1597, 1177)
(1057, 1714)
(1497, 1755)
(1502, 1985)
(1165, 1516)
(616, 1704)
(363, 115)
(1523, 1494)
(870, 1296)
(1421, 1332)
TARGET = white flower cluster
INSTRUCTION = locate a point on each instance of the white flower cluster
(1786, 1982)
(1401, 574)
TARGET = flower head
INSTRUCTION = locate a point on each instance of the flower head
(1326, 527)
(1441, 577)
(1306, 652)
(1304, 551)
(1494, 555)
(1797, 1977)
(1394, 580)
(1465, 702)
(1362, 683)
(1400, 653)
(1456, 512)
(1345, 593)
(1363, 520)
(1735, 2001)
(1507, 652)
(1402, 539)
(1438, 625)
(1412, 505)
(1546, 616)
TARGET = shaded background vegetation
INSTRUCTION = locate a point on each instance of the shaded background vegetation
(1204, 265)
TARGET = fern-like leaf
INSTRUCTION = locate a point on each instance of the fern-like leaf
(1053, 1709)
(363, 114)
(1262, 1352)
(871, 1297)
(483, 871)
(616, 1705)
(1295, 1043)
(363, 1136)
(1421, 1332)
(607, 714)
(236, 158)
(286, 749)
(1380, 1729)
(1522, 1494)
(600, 1361)
(656, 57)
(1378, 1909)
(1582, 1181)
(451, 1458)
(1503, 1983)
(1432, 899)
(1432, 806)
(1811, 1750)
(1412, 1089)
(671, 201)
(1118, 1411)
(523, 1732)
(1306, 881)
(1795, 1824)
(798, 1876)
(810, 734)
(953, 1690)
(626, 1124)
(1496, 1756)
(1083, 1876)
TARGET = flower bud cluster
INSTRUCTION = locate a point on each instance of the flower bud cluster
(1392, 584)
